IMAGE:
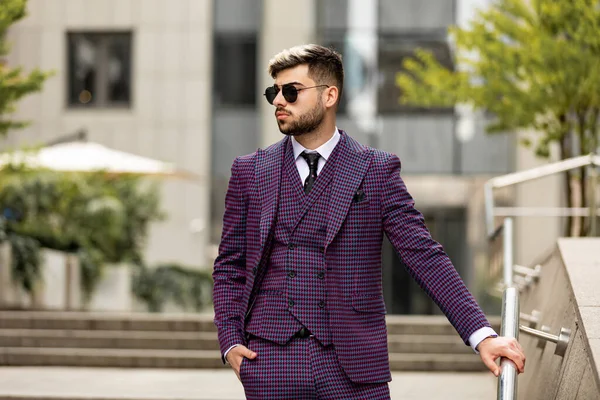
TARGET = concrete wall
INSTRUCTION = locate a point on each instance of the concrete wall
(566, 296)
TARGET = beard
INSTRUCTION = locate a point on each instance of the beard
(306, 123)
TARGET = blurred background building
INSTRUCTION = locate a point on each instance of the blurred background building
(182, 81)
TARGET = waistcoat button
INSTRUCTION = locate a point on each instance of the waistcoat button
(291, 303)
(321, 304)
(291, 246)
(292, 274)
(320, 275)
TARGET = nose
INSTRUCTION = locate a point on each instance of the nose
(279, 100)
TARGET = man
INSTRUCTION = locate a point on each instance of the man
(297, 282)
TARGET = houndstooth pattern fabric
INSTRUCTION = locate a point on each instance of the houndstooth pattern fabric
(303, 369)
(292, 294)
(367, 198)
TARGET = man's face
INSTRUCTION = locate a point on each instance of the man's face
(306, 113)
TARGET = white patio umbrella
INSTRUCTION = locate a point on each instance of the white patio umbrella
(89, 157)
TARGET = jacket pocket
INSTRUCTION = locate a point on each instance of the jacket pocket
(369, 304)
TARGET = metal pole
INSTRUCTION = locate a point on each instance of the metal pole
(593, 200)
(508, 251)
(488, 191)
(507, 382)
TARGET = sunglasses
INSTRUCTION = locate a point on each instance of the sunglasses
(289, 91)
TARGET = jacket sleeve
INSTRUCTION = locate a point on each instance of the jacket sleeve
(229, 274)
(424, 258)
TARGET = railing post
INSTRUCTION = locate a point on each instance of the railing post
(508, 251)
(593, 181)
(507, 382)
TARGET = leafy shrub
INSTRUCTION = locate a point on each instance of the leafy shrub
(103, 218)
(187, 287)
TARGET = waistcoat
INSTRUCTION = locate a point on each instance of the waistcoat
(293, 291)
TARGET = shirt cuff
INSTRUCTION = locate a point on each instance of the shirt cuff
(228, 350)
(479, 335)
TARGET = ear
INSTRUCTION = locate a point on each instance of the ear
(330, 96)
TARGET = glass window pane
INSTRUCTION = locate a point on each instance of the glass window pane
(119, 69)
(235, 81)
(99, 72)
(83, 74)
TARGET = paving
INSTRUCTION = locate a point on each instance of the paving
(45, 383)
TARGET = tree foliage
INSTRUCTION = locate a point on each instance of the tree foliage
(14, 83)
(531, 65)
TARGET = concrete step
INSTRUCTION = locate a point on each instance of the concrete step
(397, 324)
(425, 325)
(107, 321)
(437, 362)
(108, 339)
(68, 357)
(191, 340)
(120, 358)
(426, 344)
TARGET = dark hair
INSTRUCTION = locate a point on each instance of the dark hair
(324, 64)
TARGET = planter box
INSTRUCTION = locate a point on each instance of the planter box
(12, 296)
(60, 287)
(113, 292)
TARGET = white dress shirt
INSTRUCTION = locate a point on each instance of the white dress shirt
(325, 151)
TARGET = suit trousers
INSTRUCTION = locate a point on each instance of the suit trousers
(302, 369)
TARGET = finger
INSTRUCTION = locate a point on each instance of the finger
(491, 365)
(249, 354)
(517, 358)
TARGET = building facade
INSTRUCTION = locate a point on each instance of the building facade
(182, 81)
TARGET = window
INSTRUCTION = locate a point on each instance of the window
(235, 82)
(99, 69)
(392, 52)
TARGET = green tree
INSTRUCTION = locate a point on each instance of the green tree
(531, 65)
(14, 84)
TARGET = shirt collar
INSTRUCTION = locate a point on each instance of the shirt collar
(324, 150)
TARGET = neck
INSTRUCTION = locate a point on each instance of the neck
(318, 137)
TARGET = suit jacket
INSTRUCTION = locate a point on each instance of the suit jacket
(368, 199)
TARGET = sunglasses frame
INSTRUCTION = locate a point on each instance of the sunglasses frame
(289, 91)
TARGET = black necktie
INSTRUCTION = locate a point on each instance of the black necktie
(312, 159)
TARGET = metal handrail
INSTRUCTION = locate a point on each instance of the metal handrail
(507, 380)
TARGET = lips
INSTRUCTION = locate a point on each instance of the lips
(281, 115)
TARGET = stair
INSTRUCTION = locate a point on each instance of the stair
(416, 343)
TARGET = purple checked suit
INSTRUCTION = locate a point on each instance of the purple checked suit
(366, 198)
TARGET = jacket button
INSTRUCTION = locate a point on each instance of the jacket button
(291, 246)
(254, 269)
(292, 274)
(291, 303)
(320, 275)
(321, 304)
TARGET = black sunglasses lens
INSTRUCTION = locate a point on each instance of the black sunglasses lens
(270, 94)
(290, 93)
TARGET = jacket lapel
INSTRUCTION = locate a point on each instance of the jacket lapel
(350, 168)
(268, 178)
